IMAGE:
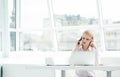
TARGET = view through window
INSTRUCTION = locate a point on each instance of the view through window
(45, 25)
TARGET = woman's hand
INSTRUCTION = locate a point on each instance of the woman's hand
(92, 44)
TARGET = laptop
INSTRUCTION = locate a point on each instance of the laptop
(82, 58)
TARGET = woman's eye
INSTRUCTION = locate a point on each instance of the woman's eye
(83, 38)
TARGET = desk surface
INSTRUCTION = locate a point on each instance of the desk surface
(104, 68)
(64, 67)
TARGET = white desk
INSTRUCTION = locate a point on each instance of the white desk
(108, 69)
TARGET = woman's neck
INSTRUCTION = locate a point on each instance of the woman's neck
(85, 48)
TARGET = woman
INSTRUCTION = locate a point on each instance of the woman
(86, 44)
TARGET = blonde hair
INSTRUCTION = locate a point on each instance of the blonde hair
(89, 33)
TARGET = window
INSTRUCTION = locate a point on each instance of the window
(13, 41)
(46, 25)
(71, 19)
(36, 41)
(34, 14)
(111, 24)
(75, 12)
(112, 40)
(12, 24)
(67, 38)
(111, 12)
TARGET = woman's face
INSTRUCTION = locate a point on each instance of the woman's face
(86, 40)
